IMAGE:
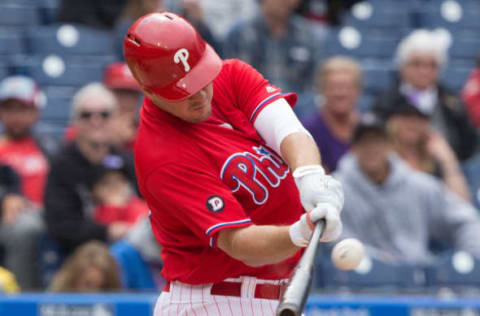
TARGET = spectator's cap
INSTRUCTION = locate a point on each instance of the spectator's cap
(23, 89)
(111, 163)
(406, 108)
(119, 76)
(369, 123)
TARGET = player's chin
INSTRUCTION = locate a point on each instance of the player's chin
(200, 116)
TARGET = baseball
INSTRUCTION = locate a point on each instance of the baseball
(348, 253)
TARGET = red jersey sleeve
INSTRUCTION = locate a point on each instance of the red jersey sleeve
(251, 92)
(197, 199)
(471, 96)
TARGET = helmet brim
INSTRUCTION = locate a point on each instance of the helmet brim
(204, 72)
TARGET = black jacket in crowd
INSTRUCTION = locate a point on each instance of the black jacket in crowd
(68, 202)
(9, 182)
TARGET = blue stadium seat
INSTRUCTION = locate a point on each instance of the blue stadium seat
(50, 258)
(454, 270)
(376, 275)
(14, 14)
(48, 10)
(66, 39)
(57, 71)
(366, 102)
(363, 15)
(351, 41)
(4, 70)
(468, 63)
(58, 107)
(471, 169)
(11, 42)
(451, 14)
(135, 271)
(464, 46)
(392, 5)
(455, 77)
(24, 3)
(377, 79)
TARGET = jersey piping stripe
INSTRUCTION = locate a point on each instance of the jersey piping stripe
(227, 224)
(261, 104)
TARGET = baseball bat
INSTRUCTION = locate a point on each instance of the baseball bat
(296, 294)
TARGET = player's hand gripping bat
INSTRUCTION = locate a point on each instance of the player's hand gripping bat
(295, 296)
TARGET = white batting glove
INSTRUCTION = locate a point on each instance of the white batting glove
(316, 187)
(301, 231)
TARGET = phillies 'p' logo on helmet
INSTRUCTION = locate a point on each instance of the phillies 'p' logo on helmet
(182, 56)
(168, 57)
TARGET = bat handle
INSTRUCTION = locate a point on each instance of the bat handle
(317, 232)
(295, 296)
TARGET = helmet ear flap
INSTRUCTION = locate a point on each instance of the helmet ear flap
(133, 39)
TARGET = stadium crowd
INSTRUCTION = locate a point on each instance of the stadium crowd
(389, 90)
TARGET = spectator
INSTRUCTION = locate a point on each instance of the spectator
(471, 94)
(192, 10)
(339, 82)
(420, 58)
(115, 197)
(395, 210)
(8, 284)
(20, 227)
(68, 202)
(424, 149)
(220, 16)
(90, 269)
(27, 153)
(10, 194)
(120, 81)
(118, 78)
(281, 45)
(138, 256)
(94, 13)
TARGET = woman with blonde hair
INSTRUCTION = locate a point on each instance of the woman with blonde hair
(90, 268)
(416, 141)
(338, 83)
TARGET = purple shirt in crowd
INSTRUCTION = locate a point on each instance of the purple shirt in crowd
(331, 148)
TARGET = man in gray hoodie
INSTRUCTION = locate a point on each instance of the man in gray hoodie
(396, 211)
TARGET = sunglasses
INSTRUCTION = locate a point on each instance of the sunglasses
(87, 115)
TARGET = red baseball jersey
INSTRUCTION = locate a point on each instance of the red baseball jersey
(28, 160)
(200, 178)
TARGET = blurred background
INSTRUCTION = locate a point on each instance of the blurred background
(389, 89)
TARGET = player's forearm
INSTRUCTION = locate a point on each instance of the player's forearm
(299, 149)
(257, 245)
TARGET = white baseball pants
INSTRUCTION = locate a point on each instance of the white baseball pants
(196, 300)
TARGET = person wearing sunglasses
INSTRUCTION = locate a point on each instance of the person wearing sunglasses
(68, 201)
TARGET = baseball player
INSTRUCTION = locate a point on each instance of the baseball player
(227, 170)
